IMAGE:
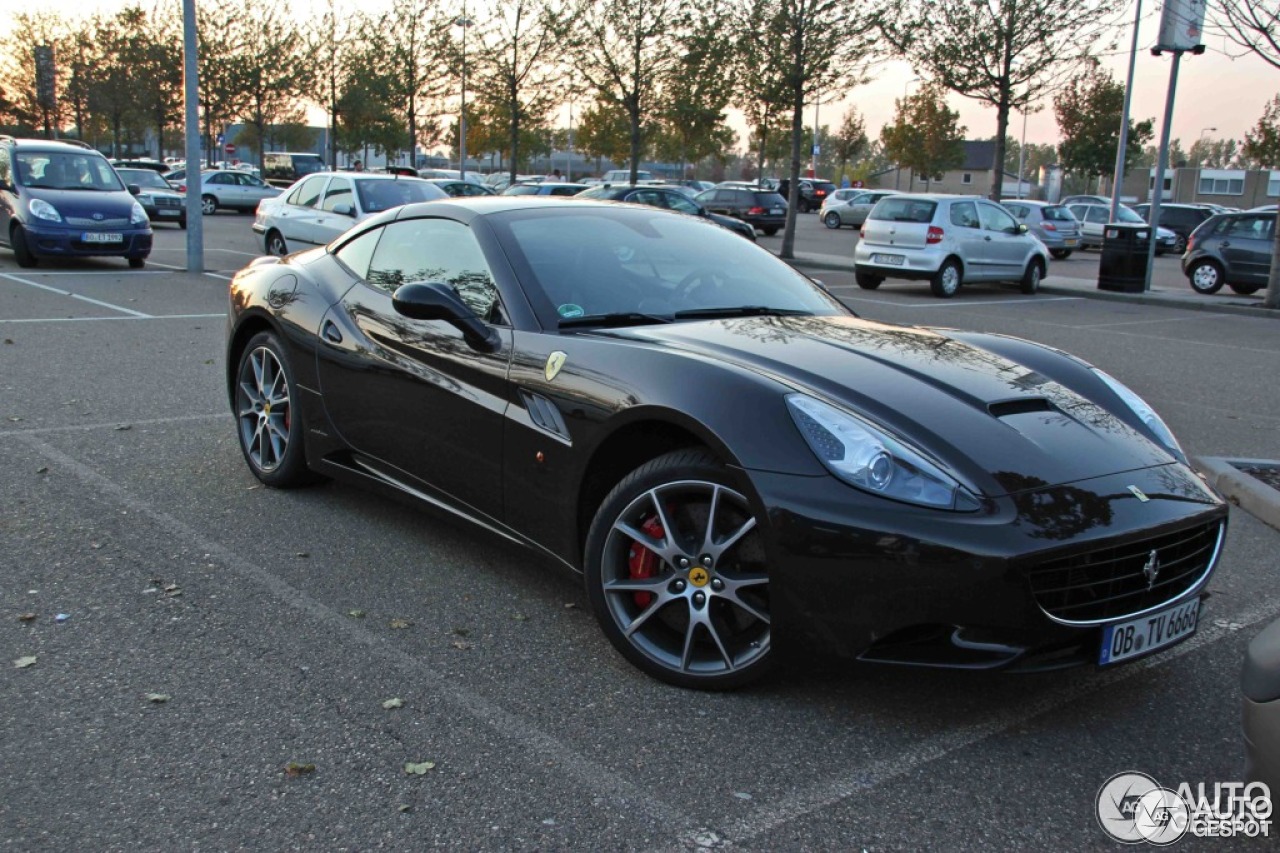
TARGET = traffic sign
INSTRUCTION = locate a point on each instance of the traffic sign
(229, 148)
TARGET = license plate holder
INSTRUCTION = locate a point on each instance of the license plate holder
(889, 260)
(1133, 638)
(101, 237)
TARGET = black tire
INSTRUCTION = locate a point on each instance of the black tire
(1030, 283)
(182, 223)
(1244, 289)
(769, 232)
(867, 281)
(1060, 254)
(271, 433)
(276, 244)
(136, 263)
(682, 595)
(208, 205)
(21, 251)
(1180, 246)
(946, 281)
(1205, 276)
(832, 220)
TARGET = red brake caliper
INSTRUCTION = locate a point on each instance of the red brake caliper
(643, 562)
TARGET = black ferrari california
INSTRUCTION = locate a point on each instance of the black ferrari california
(739, 466)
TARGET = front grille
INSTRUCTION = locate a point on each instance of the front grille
(96, 224)
(168, 201)
(1114, 582)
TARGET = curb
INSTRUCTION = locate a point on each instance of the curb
(1249, 493)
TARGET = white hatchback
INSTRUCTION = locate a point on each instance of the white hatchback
(948, 241)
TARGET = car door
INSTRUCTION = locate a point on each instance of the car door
(1008, 246)
(254, 190)
(966, 229)
(1246, 247)
(295, 215)
(412, 397)
(223, 187)
(337, 210)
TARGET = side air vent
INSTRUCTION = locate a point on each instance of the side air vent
(545, 414)
(1021, 406)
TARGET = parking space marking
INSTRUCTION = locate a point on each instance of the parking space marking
(62, 292)
(881, 771)
(176, 419)
(953, 303)
(216, 275)
(115, 319)
(591, 775)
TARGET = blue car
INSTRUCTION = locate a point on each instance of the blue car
(64, 200)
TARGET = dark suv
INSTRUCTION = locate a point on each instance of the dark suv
(1181, 219)
(60, 199)
(813, 192)
(668, 198)
(1232, 249)
(763, 209)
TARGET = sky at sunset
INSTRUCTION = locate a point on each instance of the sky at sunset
(1215, 90)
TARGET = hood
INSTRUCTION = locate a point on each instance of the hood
(83, 204)
(977, 412)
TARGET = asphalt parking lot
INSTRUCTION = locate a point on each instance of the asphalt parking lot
(277, 626)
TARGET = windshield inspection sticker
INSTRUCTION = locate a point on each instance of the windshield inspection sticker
(555, 361)
(569, 310)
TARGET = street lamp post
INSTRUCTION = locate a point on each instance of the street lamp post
(464, 22)
(897, 178)
(1022, 151)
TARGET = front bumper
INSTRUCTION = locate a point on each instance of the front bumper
(66, 242)
(856, 576)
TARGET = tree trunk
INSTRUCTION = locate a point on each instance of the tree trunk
(1002, 127)
(797, 128)
(633, 112)
(1272, 299)
(513, 104)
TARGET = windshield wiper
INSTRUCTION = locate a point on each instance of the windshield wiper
(741, 311)
(620, 318)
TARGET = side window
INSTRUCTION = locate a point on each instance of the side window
(308, 192)
(677, 202)
(355, 254)
(649, 197)
(4, 166)
(435, 250)
(221, 178)
(995, 219)
(1250, 228)
(964, 214)
(339, 192)
(1097, 214)
(1017, 210)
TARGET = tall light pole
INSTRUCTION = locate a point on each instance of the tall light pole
(1117, 177)
(1022, 151)
(897, 177)
(464, 22)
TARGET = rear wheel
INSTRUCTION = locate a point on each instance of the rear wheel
(831, 220)
(276, 244)
(677, 575)
(1205, 277)
(136, 263)
(270, 430)
(1060, 254)
(21, 250)
(867, 281)
(1180, 245)
(769, 232)
(1031, 278)
(208, 205)
(182, 223)
(946, 281)
(1244, 289)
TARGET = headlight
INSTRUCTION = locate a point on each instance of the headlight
(872, 460)
(41, 209)
(139, 216)
(144, 198)
(1145, 413)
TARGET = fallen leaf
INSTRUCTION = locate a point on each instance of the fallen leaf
(253, 488)
(460, 644)
(462, 632)
(293, 768)
(570, 605)
(209, 361)
(124, 427)
(356, 614)
(404, 808)
(15, 419)
(520, 617)
(8, 340)
(158, 698)
(43, 469)
(397, 702)
(302, 554)
(400, 623)
(418, 769)
(23, 663)
(26, 617)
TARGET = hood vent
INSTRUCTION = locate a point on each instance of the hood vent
(1021, 406)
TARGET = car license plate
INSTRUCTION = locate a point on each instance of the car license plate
(776, 211)
(101, 237)
(1140, 636)
(168, 212)
(1070, 241)
(891, 260)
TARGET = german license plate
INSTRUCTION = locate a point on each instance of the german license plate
(1145, 634)
(163, 212)
(777, 211)
(101, 237)
(1070, 241)
(891, 260)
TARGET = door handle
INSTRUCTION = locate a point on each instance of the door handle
(1225, 244)
(331, 332)
(988, 239)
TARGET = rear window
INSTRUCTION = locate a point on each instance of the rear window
(894, 209)
(1057, 214)
(825, 186)
(770, 200)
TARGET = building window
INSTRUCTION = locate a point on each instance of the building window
(1221, 186)
(967, 178)
(1273, 185)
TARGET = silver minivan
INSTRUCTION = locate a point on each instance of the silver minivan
(947, 240)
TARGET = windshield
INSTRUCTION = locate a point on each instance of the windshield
(378, 195)
(65, 171)
(143, 178)
(1124, 214)
(646, 265)
(1057, 214)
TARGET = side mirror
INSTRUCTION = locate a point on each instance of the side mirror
(1020, 228)
(134, 189)
(344, 210)
(436, 300)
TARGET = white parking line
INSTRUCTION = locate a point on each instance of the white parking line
(956, 303)
(115, 319)
(62, 292)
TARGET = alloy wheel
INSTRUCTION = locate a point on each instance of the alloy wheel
(263, 409)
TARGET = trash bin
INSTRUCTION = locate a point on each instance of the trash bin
(1123, 266)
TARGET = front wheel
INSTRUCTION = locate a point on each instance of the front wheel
(269, 428)
(677, 575)
(21, 250)
(136, 263)
(831, 220)
(208, 205)
(946, 281)
(276, 244)
(1031, 278)
(1060, 254)
(1205, 277)
(1180, 245)
(769, 232)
